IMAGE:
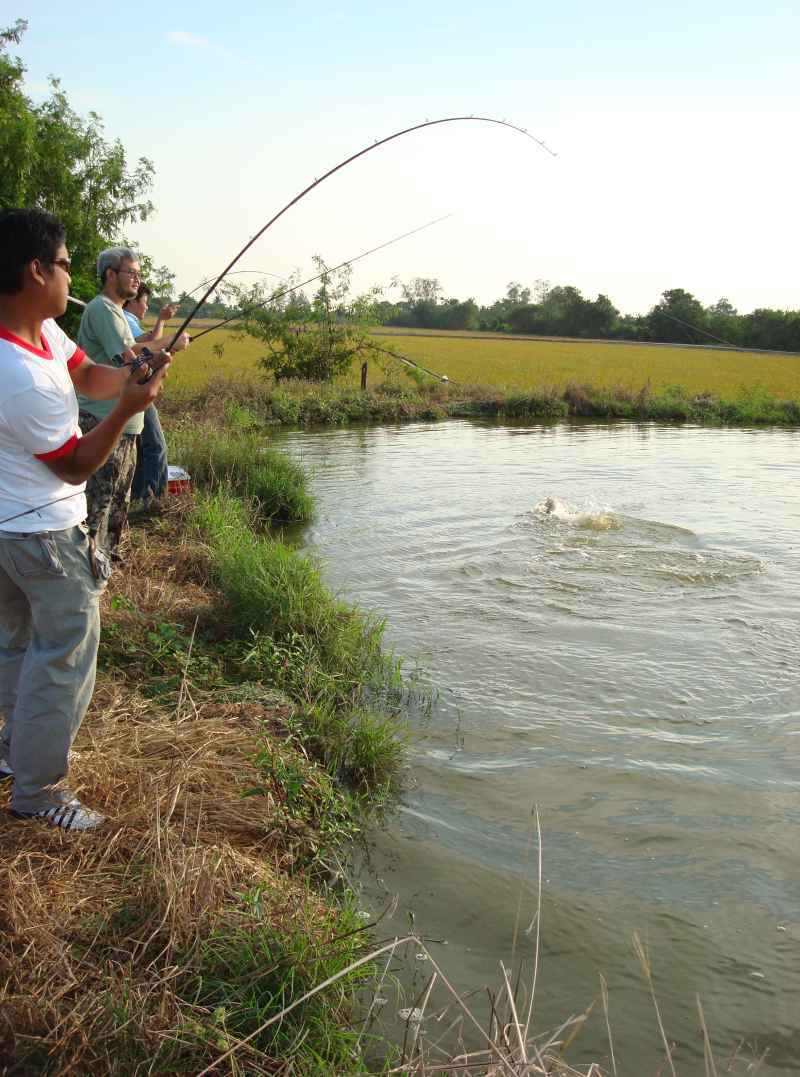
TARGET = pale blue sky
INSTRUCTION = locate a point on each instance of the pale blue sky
(676, 129)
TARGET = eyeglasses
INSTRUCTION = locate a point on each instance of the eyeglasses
(131, 273)
(65, 264)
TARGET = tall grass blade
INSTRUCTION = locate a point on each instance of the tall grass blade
(644, 961)
(604, 996)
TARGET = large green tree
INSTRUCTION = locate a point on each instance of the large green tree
(53, 159)
(678, 317)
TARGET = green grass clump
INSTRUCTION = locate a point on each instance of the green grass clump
(307, 403)
(326, 655)
(237, 458)
(247, 973)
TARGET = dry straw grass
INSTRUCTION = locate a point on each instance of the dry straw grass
(95, 927)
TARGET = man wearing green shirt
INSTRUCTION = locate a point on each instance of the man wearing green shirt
(104, 333)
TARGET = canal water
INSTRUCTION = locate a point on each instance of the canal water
(609, 617)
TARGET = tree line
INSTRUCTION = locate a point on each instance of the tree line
(561, 310)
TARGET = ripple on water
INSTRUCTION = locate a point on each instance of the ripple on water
(636, 550)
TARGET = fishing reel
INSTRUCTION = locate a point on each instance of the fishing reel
(141, 360)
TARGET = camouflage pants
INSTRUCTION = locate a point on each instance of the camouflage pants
(108, 491)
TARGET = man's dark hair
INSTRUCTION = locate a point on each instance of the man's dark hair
(26, 234)
(144, 289)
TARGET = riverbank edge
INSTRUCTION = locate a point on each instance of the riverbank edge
(419, 398)
(234, 780)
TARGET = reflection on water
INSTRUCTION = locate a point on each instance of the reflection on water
(611, 618)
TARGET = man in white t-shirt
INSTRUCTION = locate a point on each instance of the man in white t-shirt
(51, 577)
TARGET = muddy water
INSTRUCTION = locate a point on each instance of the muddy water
(610, 616)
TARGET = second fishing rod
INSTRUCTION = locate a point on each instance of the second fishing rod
(283, 292)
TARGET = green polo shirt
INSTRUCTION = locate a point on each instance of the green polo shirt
(104, 333)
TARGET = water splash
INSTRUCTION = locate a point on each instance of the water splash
(588, 517)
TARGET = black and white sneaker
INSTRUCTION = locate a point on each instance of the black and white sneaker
(72, 816)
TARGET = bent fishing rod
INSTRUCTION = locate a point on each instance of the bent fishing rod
(296, 287)
(331, 171)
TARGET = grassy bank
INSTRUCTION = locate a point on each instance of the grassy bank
(399, 398)
(326, 655)
(235, 744)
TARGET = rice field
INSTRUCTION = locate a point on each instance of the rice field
(519, 364)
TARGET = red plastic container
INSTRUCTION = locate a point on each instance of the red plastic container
(178, 480)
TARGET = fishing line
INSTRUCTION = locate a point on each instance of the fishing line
(38, 508)
(295, 287)
(697, 329)
(249, 310)
(381, 246)
(411, 362)
(279, 295)
(263, 272)
(187, 295)
(342, 164)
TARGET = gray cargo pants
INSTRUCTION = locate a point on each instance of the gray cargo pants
(49, 632)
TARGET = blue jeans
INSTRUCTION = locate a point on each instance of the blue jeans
(150, 479)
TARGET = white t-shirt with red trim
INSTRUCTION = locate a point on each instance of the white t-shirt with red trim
(38, 422)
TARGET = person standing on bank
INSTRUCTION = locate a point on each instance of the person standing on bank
(151, 473)
(103, 334)
(51, 575)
